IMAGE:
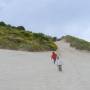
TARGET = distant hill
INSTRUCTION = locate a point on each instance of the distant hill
(17, 38)
(77, 43)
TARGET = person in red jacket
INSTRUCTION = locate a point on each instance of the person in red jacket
(54, 56)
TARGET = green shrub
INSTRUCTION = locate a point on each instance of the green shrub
(20, 27)
(2, 23)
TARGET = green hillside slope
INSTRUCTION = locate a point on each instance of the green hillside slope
(17, 38)
(77, 43)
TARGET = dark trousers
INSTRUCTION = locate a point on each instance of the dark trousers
(60, 67)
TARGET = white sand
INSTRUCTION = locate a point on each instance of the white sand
(35, 71)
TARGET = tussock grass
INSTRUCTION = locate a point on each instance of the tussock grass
(77, 43)
(17, 38)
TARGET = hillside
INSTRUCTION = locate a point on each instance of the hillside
(77, 43)
(17, 38)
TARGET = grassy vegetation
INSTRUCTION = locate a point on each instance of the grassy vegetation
(77, 43)
(17, 38)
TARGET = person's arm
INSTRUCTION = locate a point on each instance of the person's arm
(51, 57)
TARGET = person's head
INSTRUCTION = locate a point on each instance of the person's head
(53, 52)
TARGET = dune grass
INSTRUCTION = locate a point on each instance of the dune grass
(77, 43)
(17, 38)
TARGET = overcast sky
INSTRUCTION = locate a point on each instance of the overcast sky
(52, 17)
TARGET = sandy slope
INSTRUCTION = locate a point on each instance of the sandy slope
(35, 71)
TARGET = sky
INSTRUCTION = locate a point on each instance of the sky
(51, 17)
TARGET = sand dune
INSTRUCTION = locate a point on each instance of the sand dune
(35, 71)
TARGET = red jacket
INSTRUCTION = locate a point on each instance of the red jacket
(53, 56)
